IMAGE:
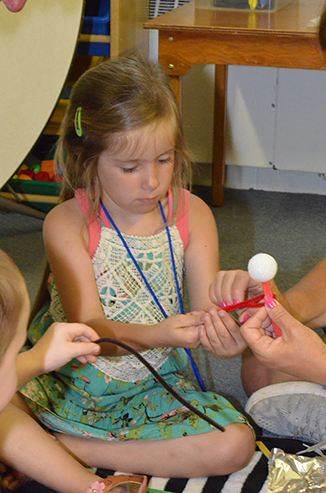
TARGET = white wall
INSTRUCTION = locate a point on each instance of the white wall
(276, 127)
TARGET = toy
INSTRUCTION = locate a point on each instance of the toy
(36, 167)
(262, 268)
(48, 167)
(43, 171)
(42, 176)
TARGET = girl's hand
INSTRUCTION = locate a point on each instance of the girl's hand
(180, 331)
(233, 286)
(64, 341)
(299, 352)
(221, 335)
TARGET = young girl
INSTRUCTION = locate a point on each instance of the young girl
(24, 444)
(117, 247)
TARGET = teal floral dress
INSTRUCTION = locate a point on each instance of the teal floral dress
(117, 398)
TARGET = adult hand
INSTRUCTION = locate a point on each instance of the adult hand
(221, 335)
(299, 351)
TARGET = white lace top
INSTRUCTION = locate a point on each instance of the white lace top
(125, 297)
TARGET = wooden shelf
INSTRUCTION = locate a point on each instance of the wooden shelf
(127, 35)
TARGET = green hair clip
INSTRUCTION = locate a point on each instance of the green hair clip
(78, 125)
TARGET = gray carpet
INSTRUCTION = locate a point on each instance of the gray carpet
(288, 226)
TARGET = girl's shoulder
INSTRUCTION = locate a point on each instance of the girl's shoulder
(199, 212)
(187, 210)
(184, 202)
(64, 216)
(70, 206)
(195, 201)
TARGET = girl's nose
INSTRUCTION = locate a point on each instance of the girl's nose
(151, 181)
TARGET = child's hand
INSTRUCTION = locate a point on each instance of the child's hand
(180, 331)
(233, 286)
(299, 352)
(64, 341)
(221, 335)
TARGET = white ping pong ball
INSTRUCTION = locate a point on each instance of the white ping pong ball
(262, 267)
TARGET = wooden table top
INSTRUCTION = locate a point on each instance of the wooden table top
(292, 19)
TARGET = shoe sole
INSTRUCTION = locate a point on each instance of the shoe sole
(284, 419)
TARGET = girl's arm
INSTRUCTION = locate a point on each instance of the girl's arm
(66, 242)
(220, 335)
(202, 253)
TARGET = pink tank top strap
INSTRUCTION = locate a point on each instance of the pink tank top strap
(179, 205)
(93, 223)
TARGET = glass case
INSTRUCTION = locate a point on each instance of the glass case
(257, 5)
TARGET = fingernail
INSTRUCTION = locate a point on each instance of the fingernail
(245, 318)
(222, 305)
(228, 303)
(269, 301)
(235, 302)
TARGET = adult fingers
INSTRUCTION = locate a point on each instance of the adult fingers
(286, 322)
(251, 330)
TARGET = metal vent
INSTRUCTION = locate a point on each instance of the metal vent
(159, 7)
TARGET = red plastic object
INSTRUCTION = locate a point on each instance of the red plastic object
(27, 172)
(254, 303)
(268, 291)
(42, 176)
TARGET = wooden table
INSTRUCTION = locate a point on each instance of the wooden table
(190, 36)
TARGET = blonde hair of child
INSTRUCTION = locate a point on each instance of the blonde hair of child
(114, 97)
(12, 297)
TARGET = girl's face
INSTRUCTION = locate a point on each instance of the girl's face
(8, 366)
(138, 172)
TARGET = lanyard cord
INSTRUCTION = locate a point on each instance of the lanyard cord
(192, 362)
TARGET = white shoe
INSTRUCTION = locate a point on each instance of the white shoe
(292, 409)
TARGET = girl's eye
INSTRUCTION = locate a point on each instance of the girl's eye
(165, 160)
(129, 170)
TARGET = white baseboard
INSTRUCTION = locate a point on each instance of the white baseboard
(245, 178)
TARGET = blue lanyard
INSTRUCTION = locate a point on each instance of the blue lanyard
(193, 364)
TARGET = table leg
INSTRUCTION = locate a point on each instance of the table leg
(175, 81)
(219, 134)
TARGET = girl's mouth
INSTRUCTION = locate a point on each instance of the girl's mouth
(149, 200)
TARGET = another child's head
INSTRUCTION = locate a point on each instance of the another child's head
(109, 100)
(14, 312)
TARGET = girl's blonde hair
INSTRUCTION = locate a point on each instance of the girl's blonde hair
(12, 298)
(116, 96)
